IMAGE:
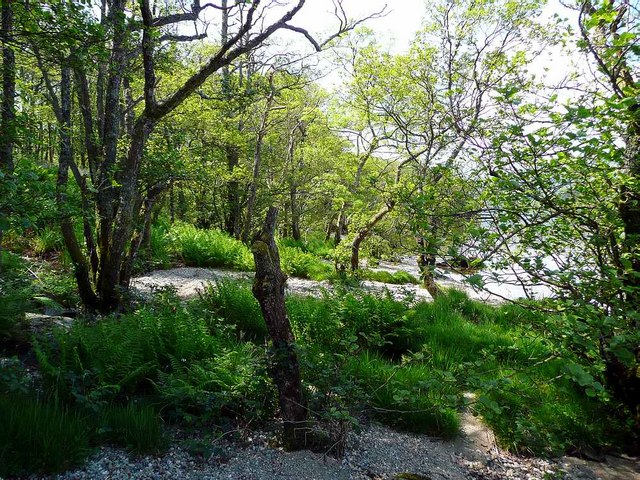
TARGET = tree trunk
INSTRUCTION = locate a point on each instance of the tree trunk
(341, 227)
(8, 116)
(81, 268)
(268, 288)
(622, 379)
(364, 233)
(233, 193)
(7, 135)
(295, 214)
(427, 265)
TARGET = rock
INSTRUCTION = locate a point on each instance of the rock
(39, 324)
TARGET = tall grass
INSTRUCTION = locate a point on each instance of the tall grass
(40, 436)
(16, 295)
(416, 398)
(208, 248)
(213, 248)
(137, 428)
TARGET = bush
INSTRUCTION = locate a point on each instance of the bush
(371, 322)
(315, 245)
(40, 437)
(412, 397)
(15, 296)
(232, 383)
(552, 417)
(48, 240)
(96, 364)
(297, 263)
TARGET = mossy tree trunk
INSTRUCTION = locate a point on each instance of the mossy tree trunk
(268, 288)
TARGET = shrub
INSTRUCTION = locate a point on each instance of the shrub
(397, 278)
(58, 285)
(315, 245)
(297, 263)
(15, 296)
(234, 382)
(532, 415)
(48, 240)
(372, 322)
(40, 437)
(96, 364)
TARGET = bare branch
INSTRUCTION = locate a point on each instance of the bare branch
(182, 38)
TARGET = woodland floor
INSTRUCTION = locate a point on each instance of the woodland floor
(377, 452)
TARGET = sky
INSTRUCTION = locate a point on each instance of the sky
(395, 29)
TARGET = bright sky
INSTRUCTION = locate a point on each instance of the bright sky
(396, 29)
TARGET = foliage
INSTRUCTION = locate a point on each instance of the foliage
(134, 427)
(40, 436)
(237, 306)
(297, 263)
(15, 295)
(208, 248)
(398, 278)
(164, 350)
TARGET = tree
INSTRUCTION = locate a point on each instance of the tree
(111, 47)
(432, 105)
(268, 288)
(8, 115)
(565, 192)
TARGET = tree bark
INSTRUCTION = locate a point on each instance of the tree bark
(81, 268)
(8, 116)
(7, 134)
(268, 288)
(233, 193)
(427, 265)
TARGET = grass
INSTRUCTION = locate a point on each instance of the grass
(208, 248)
(237, 306)
(136, 428)
(37, 436)
(397, 278)
(204, 363)
(213, 248)
(415, 398)
(16, 296)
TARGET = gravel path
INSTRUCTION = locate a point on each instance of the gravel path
(188, 281)
(377, 453)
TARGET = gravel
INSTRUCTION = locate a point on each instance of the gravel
(376, 453)
(188, 281)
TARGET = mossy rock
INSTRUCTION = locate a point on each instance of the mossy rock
(410, 476)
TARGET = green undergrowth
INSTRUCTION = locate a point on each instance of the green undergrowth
(406, 364)
(30, 287)
(409, 365)
(191, 365)
(397, 278)
(38, 436)
(212, 248)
